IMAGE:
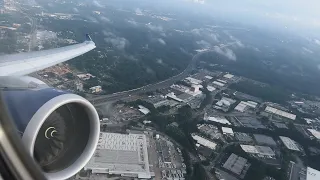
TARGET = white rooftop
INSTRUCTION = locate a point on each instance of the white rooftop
(243, 105)
(229, 76)
(227, 130)
(222, 81)
(122, 154)
(144, 110)
(315, 133)
(280, 113)
(262, 150)
(204, 142)
(211, 88)
(208, 77)
(217, 119)
(312, 174)
(193, 80)
(218, 83)
(289, 143)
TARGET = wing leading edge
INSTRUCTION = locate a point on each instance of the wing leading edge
(26, 63)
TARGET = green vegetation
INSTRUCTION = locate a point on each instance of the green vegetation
(268, 93)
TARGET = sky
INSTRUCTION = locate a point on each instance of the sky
(295, 14)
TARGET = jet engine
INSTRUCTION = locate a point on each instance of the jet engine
(60, 130)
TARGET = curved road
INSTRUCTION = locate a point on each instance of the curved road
(147, 88)
(152, 87)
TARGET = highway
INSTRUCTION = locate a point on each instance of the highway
(152, 87)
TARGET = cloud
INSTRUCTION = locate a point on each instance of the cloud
(106, 33)
(149, 70)
(131, 21)
(97, 4)
(317, 42)
(159, 61)
(319, 66)
(92, 19)
(117, 42)
(105, 19)
(215, 37)
(154, 27)
(138, 12)
(204, 44)
(161, 41)
(307, 50)
(131, 57)
(225, 52)
(198, 1)
(237, 41)
(206, 33)
(75, 10)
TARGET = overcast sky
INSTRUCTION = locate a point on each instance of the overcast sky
(297, 14)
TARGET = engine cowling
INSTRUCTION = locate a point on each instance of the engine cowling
(60, 130)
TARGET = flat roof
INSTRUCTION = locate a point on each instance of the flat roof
(193, 80)
(262, 150)
(208, 77)
(211, 88)
(280, 113)
(243, 137)
(227, 130)
(122, 154)
(204, 141)
(263, 139)
(312, 174)
(229, 76)
(235, 164)
(289, 143)
(315, 133)
(218, 83)
(218, 119)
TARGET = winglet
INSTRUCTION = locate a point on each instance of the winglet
(88, 38)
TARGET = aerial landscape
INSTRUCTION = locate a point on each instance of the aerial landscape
(186, 89)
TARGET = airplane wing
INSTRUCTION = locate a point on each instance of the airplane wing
(26, 63)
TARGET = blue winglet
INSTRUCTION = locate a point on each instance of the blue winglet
(88, 38)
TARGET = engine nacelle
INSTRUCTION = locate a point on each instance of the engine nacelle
(60, 130)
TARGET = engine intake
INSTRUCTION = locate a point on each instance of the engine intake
(60, 130)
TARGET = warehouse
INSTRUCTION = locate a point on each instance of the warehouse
(289, 143)
(280, 113)
(121, 154)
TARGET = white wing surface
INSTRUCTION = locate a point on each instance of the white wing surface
(26, 63)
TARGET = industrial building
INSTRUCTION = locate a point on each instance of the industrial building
(237, 165)
(121, 154)
(315, 133)
(259, 150)
(243, 137)
(312, 174)
(193, 80)
(289, 143)
(218, 83)
(264, 140)
(228, 76)
(212, 131)
(218, 119)
(227, 131)
(244, 105)
(204, 142)
(224, 104)
(249, 121)
(144, 110)
(280, 113)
